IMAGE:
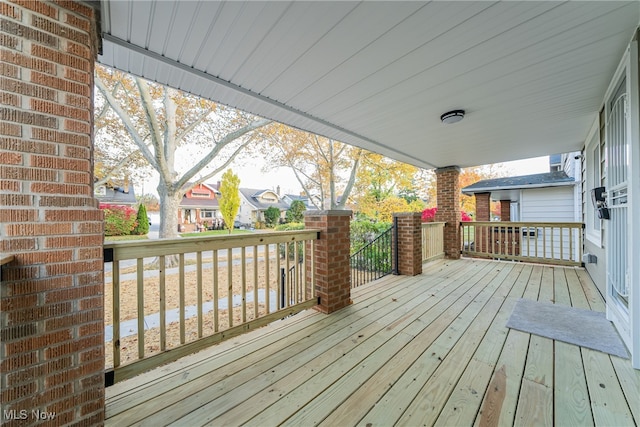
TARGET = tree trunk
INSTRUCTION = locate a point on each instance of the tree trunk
(169, 213)
(168, 221)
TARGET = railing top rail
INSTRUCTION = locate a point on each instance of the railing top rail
(522, 224)
(6, 259)
(151, 248)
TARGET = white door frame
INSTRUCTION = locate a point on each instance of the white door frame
(627, 320)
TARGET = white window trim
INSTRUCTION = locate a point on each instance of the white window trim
(593, 140)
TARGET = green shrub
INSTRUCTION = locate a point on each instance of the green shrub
(118, 220)
(271, 216)
(142, 220)
(295, 213)
(290, 226)
(364, 232)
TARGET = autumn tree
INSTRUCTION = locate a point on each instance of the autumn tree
(185, 139)
(468, 176)
(229, 201)
(384, 186)
(326, 169)
(116, 157)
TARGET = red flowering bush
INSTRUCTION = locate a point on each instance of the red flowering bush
(429, 215)
(118, 220)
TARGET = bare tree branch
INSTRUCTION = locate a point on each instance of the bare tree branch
(128, 124)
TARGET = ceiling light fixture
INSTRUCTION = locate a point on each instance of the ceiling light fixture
(451, 117)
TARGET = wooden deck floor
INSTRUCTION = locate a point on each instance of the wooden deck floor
(424, 350)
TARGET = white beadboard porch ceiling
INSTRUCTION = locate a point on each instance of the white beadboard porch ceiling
(530, 75)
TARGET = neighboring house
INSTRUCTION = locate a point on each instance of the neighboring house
(290, 198)
(253, 203)
(116, 194)
(199, 205)
(545, 197)
(554, 196)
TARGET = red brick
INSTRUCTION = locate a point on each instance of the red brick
(30, 62)
(49, 188)
(67, 201)
(10, 11)
(39, 7)
(74, 215)
(57, 29)
(18, 215)
(79, 50)
(10, 99)
(26, 146)
(28, 89)
(61, 58)
(69, 268)
(59, 110)
(37, 229)
(23, 31)
(29, 118)
(10, 158)
(60, 163)
(15, 245)
(61, 137)
(77, 101)
(10, 129)
(8, 70)
(76, 126)
(9, 41)
(76, 7)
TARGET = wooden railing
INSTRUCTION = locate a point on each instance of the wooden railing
(432, 240)
(542, 242)
(171, 297)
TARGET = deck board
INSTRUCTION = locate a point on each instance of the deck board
(431, 349)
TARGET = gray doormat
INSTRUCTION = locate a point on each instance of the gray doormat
(585, 328)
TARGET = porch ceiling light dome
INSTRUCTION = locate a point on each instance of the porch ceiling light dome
(451, 117)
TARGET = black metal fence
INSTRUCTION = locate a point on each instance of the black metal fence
(374, 260)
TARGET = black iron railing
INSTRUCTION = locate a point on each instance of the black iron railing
(372, 261)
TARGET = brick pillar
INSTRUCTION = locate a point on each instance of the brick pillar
(331, 258)
(483, 206)
(51, 295)
(448, 194)
(505, 210)
(409, 243)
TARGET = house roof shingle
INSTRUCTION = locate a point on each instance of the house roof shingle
(539, 180)
(252, 194)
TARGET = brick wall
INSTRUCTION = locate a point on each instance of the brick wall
(483, 206)
(331, 258)
(505, 210)
(448, 195)
(51, 296)
(409, 243)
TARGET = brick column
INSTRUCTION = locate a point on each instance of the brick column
(505, 210)
(483, 206)
(409, 243)
(51, 296)
(448, 194)
(331, 258)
